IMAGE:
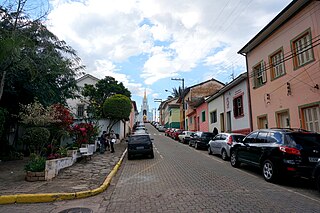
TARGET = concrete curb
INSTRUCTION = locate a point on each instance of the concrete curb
(50, 197)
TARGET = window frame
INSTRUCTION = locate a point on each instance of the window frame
(259, 72)
(236, 112)
(213, 117)
(280, 63)
(78, 111)
(203, 116)
(295, 52)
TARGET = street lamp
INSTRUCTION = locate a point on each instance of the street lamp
(182, 97)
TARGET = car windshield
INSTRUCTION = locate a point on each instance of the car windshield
(139, 139)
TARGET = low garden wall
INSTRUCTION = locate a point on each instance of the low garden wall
(54, 166)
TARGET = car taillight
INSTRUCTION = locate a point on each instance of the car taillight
(229, 141)
(290, 150)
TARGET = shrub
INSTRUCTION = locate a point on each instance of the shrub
(35, 164)
(36, 138)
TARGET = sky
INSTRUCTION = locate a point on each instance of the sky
(145, 43)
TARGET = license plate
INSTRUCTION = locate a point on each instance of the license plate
(140, 147)
(314, 160)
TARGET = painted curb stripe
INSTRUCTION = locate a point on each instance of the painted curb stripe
(50, 197)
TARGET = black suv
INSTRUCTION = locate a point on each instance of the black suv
(316, 175)
(200, 140)
(140, 144)
(278, 152)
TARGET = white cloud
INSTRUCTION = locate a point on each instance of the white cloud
(173, 37)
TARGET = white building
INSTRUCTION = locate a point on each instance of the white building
(229, 107)
(79, 107)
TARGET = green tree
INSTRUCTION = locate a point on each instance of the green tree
(98, 93)
(33, 61)
(116, 108)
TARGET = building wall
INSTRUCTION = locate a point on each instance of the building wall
(303, 81)
(216, 105)
(239, 124)
(174, 119)
(203, 125)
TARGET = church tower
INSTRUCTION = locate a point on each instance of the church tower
(145, 114)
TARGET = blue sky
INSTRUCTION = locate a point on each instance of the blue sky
(145, 43)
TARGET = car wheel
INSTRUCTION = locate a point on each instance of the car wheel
(196, 145)
(152, 155)
(269, 171)
(129, 156)
(318, 182)
(224, 155)
(209, 151)
(190, 143)
(234, 159)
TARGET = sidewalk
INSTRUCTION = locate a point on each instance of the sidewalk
(81, 176)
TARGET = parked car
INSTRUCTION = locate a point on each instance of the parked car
(176, 133)
(278, 152)
(200, 140)
(170, 132)
(184, 137)
(140, 144)
(222, 142)
(166, 133)
(161, 129)
(316, 175)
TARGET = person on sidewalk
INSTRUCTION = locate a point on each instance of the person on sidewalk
(112, 140)
(103, 142)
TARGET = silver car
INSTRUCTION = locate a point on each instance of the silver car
(222, 142)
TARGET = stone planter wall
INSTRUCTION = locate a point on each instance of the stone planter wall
(54, 166)
(35, 176)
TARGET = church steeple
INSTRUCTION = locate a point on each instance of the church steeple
(145, 95)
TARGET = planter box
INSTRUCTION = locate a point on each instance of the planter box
(54, 166)
(35, 176)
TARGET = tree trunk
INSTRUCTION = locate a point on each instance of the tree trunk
(2, 83)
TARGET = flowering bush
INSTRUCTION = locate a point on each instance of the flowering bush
(84, 133)
(63, 115)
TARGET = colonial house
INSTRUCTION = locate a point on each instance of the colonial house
(133, 118)
(191, 97)
(283, 68)
(229, 107)
(171, 113)
(201, 120)
(79, 106)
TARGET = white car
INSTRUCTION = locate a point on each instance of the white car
(185, 136)
(222, 142)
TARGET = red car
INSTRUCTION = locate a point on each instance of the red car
(166, 133)
(176, 133)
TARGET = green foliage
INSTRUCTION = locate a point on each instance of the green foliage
(117, 107)
(34, 62)
(3, 115)
(36, 138)
(102, 90)
(35, 164)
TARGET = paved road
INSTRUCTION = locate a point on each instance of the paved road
(182, 179)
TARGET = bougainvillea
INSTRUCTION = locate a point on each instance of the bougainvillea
(84, 133)
(64, 116)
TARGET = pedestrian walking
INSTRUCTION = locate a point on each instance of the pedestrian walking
(112, 140)
(102, 141)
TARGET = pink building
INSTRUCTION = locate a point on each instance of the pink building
(202, 123)
(283, 67)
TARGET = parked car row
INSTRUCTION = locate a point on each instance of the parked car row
(280, 153)
(159, 127)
